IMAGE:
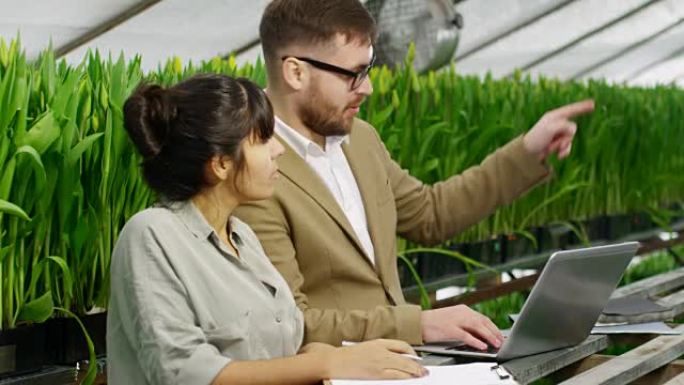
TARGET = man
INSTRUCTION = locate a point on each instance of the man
(330, 228)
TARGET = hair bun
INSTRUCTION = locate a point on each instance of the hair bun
(147, 116)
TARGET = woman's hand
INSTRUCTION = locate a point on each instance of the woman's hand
(377, 359)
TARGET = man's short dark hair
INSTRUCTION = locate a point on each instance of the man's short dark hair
(308, 22)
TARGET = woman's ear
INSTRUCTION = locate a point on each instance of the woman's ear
(219, 168)
(294, 73)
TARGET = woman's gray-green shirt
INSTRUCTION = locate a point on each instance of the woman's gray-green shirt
(182, 306)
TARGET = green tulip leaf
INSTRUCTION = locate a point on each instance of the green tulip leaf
(38, 310)
(81, 147)
(12, 209)
(43, 133)
(36, 164)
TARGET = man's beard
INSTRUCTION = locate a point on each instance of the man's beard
(323, 118)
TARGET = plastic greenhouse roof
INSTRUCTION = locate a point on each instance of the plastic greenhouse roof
(640, 42)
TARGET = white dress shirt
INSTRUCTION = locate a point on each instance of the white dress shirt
(332, 167)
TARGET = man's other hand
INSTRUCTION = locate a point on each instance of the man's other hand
(460, 323)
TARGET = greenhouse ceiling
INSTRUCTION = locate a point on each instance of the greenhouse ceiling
(634, 41)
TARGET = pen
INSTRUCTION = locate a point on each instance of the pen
(411, 356)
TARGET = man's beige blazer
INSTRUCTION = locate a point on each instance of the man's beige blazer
(310, 241)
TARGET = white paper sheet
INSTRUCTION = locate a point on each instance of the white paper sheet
(479, 373)
(625, 328)
(643, 328)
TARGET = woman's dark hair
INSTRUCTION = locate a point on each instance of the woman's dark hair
(177, 130)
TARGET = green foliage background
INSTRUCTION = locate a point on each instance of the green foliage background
(69, 177)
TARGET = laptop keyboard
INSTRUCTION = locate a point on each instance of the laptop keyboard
(466, 348)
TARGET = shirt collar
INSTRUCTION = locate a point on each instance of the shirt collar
(197, 224)
(302, 145)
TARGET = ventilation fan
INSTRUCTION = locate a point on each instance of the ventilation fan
(433, 25)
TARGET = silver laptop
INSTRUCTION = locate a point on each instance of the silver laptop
(563, 306)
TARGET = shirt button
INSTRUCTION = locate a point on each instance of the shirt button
(278, 319)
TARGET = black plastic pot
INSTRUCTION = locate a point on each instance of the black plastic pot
(489, 252)
(618, 226)
(641, 222)
(596, 228)
(58, 341)
(434, 266)
(67, 342)
(555, 237)
(23, 350)
(516, 246)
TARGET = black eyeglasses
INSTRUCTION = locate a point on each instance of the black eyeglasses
(358, 77)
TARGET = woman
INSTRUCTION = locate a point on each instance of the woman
(194, 300)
